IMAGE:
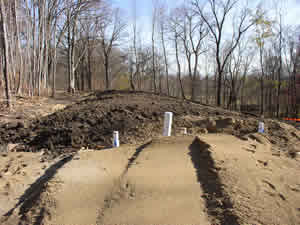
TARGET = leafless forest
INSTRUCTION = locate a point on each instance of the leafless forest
(218, 52)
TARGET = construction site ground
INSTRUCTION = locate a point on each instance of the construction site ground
(57, 164)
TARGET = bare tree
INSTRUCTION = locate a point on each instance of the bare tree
(66, 26)
(3, 22)
(111, 32)
(263, 32)
(72, 15)
(134, 59)
(219, 11)
(18, 45)
(292, 62)
(280, 68)
(162, 26)
(175, 33)
(193, 34)
(154, 16)
(238, 67)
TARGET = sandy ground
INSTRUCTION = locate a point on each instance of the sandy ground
(264, 188)
(211, 179)
(216, 178)
(160, 187)
(68, 191)
(17, 172)
(86, 181)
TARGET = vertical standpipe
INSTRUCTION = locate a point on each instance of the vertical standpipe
(261, 127)
(168, 124)
(116, 142)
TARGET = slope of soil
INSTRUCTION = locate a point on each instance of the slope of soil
(264, 188)
(138, 116)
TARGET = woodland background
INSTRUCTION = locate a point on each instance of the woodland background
(217, 52)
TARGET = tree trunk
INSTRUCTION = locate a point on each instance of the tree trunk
(224, 92)
(218, 74)
(188, 56)
(42, 33)
(89, 77)
(206, 89)
(11, 41)
(160, 80)
(294, 91)
(195, 76)
(261, 81)
(219, 86)
(20, 59)
(279, 71)
(71, 53)
(179, 68)
(34, 69)
(54, 63)
(153, 62)
(165, 59)
(5, 52)
(29, 57)
(47, 55)
(106, 65)
(261, 96)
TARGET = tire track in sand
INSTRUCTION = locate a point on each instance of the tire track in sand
(159, 186)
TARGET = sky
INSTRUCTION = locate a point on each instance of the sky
(143, 12)
(144, 7)
(290, 11)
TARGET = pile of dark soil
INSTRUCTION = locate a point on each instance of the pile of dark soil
(137, 116)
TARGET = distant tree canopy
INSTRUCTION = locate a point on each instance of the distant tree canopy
(221, 52)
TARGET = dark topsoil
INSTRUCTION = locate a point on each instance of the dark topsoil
(137, 116)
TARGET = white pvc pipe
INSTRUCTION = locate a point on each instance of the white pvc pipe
(168, 124)
(116, 142)
(261, 127)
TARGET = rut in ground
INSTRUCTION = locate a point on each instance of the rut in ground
(166, 181)
(163, 186)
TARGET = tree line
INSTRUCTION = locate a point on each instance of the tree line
(218, 52)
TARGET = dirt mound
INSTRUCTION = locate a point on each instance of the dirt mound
(137, 116)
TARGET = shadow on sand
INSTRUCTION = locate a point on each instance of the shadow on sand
(31, 196)
(135, 156)
(218, 204)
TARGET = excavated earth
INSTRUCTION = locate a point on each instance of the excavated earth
(212, 179)
(222, 172)
(138, 116)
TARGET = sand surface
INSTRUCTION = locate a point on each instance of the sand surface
(86, 180)
(210, 179)
(264, 188)
(160, 187)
